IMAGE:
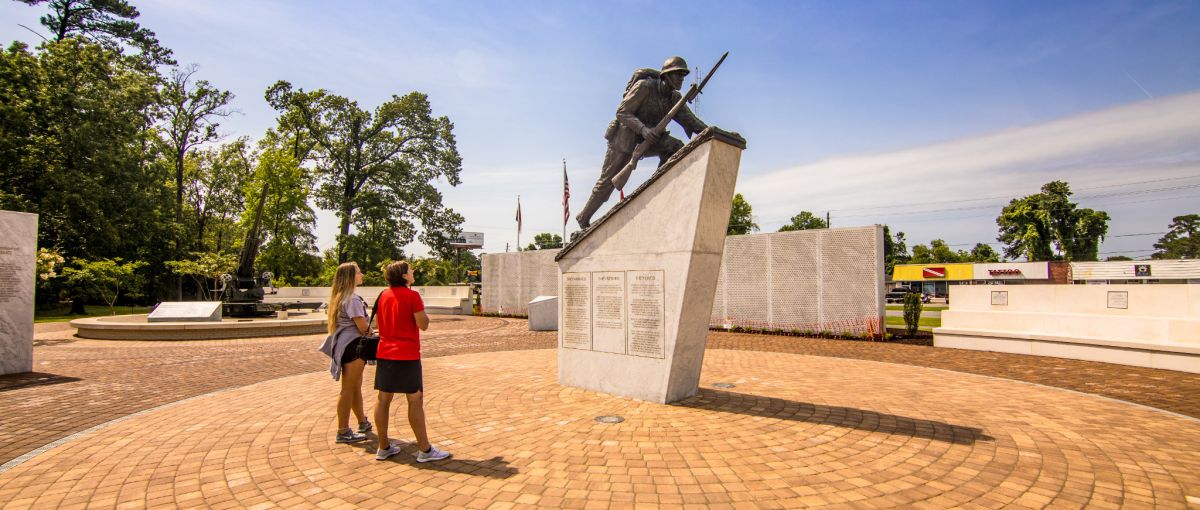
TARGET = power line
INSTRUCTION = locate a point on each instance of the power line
(1009, 196)
(992, 206)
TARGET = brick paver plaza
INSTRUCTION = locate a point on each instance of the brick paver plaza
(808, 423)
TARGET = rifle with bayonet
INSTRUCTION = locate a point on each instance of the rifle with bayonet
(622, 177)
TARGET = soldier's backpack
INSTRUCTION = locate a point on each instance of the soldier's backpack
(640, 75)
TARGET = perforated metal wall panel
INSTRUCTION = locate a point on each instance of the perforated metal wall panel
(795, 282)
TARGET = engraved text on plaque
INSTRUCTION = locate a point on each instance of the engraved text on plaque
(576, 310)
(646, 314)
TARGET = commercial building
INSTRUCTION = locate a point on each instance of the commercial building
(935, 279)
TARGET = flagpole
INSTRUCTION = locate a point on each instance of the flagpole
(566, 197)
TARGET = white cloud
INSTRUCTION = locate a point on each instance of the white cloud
(1140, 141)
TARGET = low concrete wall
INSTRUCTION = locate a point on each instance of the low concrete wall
(1145, 325)
(447, 299)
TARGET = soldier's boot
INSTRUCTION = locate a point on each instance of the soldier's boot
(585, 216)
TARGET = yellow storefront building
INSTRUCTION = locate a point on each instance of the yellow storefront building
(933, 279)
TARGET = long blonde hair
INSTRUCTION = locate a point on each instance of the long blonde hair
(344, 283)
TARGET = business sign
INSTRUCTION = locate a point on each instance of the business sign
(1141, 270)
(1002, 271)
(933, 272)
(470, 240)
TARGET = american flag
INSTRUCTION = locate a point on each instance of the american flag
(566, 195)
(518, 216)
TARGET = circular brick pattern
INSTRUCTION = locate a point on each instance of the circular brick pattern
(797, 431)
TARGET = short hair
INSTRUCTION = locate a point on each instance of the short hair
(394, 274)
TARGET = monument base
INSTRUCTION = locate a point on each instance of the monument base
(637, 286)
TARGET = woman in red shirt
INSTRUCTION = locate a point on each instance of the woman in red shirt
(402, 317)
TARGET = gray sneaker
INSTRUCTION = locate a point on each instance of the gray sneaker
(433, 454)
(350, 436)
(381, 454)
(364, 427)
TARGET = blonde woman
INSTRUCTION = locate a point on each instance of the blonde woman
(347, 321)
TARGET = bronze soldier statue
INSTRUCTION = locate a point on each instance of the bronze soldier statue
(649, 97)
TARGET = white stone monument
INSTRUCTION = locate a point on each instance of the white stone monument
(18, 263)
(637, 287)
(543, 313)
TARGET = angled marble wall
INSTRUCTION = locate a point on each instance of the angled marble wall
(18, 256)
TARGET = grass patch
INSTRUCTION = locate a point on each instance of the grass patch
(60, 314)
(928, 307)
(926, 324)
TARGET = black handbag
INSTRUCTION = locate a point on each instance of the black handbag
(368, 345)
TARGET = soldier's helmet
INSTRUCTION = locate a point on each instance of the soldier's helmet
(675, 65)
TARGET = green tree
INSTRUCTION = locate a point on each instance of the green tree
(1182, 240)
(71, 148)
(983, 253)
(804, 221)
(107, 22)
(1117, 258)
(289, 247)
(213, 192)
(105, 278)
(936, 253)
(431, 271)
(191, 110)
(205, 270)
(895, 251)
(1031, 225)
(545, 241)
(741, 217)
(376, 170)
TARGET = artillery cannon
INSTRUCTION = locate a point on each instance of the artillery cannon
(243, 291)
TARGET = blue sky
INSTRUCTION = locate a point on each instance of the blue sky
(874, 111)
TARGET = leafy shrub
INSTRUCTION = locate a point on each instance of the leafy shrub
(912, 313)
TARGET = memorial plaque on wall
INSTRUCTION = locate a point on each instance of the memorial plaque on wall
(608, 311)
(646, 335)
(576, 302)
(1118, 299)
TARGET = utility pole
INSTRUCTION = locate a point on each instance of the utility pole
(828, 224)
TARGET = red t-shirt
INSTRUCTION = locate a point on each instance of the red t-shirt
(399, 337)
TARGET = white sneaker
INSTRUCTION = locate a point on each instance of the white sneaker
(382, 454)
(433, 454)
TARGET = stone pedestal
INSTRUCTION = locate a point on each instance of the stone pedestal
(637, 287)
(543, 313)
(18, 263)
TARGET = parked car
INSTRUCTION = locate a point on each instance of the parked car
(897, 295)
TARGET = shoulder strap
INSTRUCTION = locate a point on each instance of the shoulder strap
(374, 308)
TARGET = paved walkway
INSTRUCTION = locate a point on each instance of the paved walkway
(810, 423)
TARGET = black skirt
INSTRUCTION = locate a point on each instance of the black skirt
(398, 376)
